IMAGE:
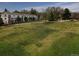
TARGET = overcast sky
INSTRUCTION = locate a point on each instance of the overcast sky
(40, 6)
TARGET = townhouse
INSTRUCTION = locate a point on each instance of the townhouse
(9, 17)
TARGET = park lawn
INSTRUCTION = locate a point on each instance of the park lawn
(40, 39)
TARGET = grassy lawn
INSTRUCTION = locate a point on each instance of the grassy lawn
(37, 39)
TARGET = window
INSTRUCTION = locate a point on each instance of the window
(5, 18)
(9, 16)
(5, 15)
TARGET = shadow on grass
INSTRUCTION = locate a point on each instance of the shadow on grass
(66, 46)
(36, 37)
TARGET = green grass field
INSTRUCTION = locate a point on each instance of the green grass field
(40, 39)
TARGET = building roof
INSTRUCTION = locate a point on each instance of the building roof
(11, 13)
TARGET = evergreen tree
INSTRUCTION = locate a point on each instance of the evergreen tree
(5, 10)
(66, 14)
(51, 17)
(25, 18)
(33, 11)
(18, 20)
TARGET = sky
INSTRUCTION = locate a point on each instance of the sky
(39, 6)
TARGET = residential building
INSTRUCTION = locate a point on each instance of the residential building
(9, 18)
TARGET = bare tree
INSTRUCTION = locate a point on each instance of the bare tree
(54, 13)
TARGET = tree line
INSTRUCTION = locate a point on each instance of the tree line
(57, 13)
(50, 14)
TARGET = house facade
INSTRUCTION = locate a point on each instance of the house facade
(9, 17)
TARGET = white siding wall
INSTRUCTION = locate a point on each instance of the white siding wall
(5, 18)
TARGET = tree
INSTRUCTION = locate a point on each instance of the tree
(51, 17)
(33, 18)
(18, 20)
(30, 18)
(16, 11)
(33, 11)
(26, 19)
(1, 21)
(49, 14)
(66, 14)
(53, 13)
(5, 10)
(24, 11)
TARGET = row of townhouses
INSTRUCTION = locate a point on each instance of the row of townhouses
(9, 17)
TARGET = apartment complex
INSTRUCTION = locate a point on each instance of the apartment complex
(9, 17)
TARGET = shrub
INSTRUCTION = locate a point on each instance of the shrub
(1, 21)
